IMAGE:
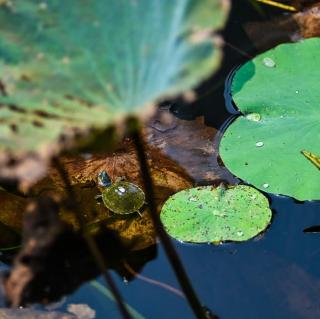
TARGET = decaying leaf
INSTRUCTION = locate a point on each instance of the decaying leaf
(301, 25)
(54, 259)
(82, 311)
(308, 21)
(33, 314)
(11, 209)
(190, 144)
(137, 231)
(68, 74)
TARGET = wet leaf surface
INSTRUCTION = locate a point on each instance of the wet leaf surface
(104, 69)
(212, 215)
(267, 153)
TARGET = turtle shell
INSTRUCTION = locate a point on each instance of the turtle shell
(123, 197)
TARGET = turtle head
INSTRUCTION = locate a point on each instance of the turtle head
(104, 179)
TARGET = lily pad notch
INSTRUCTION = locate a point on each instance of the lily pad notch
(274, 144)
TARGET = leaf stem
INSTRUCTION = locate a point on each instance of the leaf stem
(93, 248)
(105, 291)
(198, 309)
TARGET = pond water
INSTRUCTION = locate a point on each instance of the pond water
(276, 275)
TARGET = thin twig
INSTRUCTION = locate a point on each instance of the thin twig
(93, 248)
(153, 281)
(279, 5)
(198, 309)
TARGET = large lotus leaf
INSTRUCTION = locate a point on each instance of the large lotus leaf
(207, 214)
(73, 68)
(278, 95)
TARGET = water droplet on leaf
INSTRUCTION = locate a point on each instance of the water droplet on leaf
(268, 62)
(265, 185)
(259, 144)
(256, 117)
(121, 189)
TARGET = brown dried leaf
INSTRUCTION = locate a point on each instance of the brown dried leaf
(303, 24)
(309, 21)
(11, 208)
(168, 179)
(188, 143)
(138, 231)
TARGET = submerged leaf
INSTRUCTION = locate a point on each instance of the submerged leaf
(33, 314)
(287, 98)
(70, 70)
(39, 272)
(207, 214)
(137, 231)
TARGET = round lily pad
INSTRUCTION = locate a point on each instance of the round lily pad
(268, 145)
(209, 215)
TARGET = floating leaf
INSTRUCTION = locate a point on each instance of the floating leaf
(68, 71)
(207, 214)
(267, 153)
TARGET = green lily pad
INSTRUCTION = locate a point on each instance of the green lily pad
(282, 86)
(210, 215)
(70, 70)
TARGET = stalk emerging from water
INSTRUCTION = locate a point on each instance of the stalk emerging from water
(200, 311)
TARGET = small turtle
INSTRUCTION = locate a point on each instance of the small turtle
(120, 197)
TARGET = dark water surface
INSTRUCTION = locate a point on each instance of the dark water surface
(274, 276)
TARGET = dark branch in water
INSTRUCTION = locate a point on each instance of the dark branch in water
(90, 241)
(200, 311)
(313, 229)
